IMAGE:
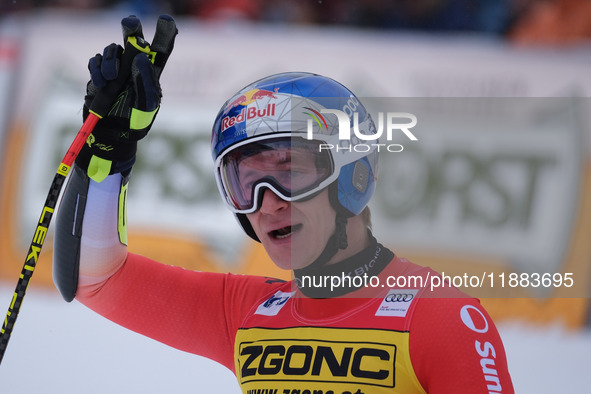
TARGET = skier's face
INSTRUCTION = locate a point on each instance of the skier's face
(293, 234)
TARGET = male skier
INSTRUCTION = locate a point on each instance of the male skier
(308, 208)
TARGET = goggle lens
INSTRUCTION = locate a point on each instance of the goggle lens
(291, 167)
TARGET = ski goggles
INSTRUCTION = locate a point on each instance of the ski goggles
(291, 167)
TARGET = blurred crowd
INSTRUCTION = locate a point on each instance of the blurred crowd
(523, 21)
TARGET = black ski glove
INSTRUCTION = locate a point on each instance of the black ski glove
(131, 110)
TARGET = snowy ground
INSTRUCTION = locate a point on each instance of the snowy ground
(64, 348)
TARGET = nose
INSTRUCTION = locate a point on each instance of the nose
(272, 203)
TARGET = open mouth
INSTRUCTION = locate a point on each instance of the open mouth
(285, 232)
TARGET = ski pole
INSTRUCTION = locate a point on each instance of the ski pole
(41, 231)
(99, 108)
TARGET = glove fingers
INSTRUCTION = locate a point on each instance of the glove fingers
(110, 61)
(131, 26)
(96, 76)
(163, 41)
(128, 98)
(146, 83)
(165, 34)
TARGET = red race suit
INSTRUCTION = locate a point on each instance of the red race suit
(276, 340)
(394, 334)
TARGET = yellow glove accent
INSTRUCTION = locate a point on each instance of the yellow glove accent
(140, 120)
(98, 169)
(142, 46)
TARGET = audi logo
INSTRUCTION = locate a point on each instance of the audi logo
(399, 297)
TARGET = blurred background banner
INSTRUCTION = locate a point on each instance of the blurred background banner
(498, 183)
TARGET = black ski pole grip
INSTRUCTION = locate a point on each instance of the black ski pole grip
(107, 94)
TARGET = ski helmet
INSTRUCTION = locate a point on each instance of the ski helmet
(293, 117)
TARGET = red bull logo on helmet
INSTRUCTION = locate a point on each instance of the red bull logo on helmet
(249, 97)
(248, 113)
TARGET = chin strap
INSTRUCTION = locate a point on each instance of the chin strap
(337, 241)
(370, 261)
